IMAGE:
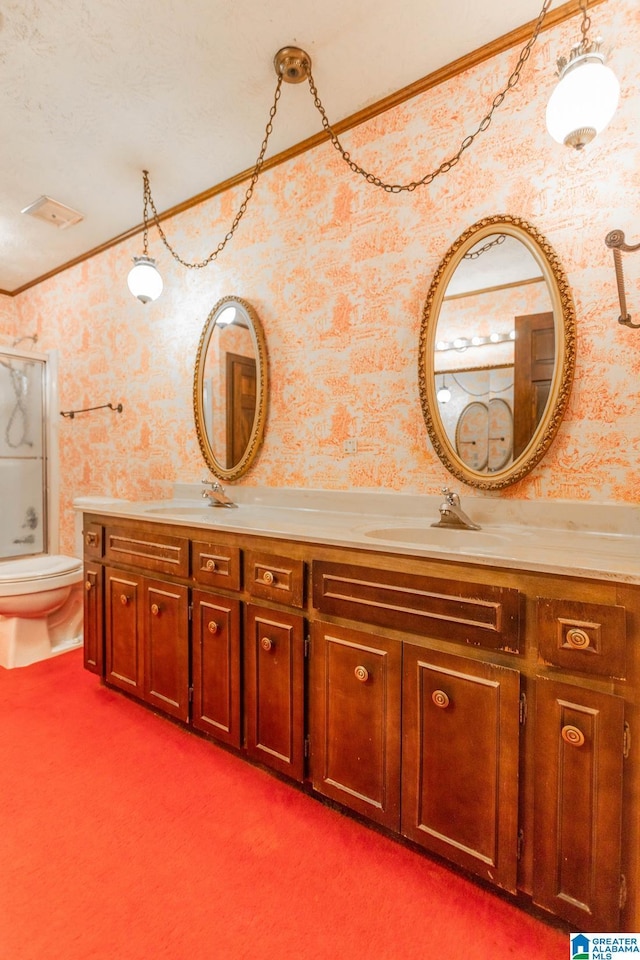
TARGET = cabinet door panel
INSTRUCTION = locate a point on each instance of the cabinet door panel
(216, 666)
(93, 618)
(460, 761)
(123, 630)
(578, 804)
(274, 689)
(166, 647)
(355, 720)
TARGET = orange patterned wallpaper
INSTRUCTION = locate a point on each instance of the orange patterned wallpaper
(8, 321)
(338, 272)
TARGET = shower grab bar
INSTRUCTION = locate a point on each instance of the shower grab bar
(103, 406)
(615, 241)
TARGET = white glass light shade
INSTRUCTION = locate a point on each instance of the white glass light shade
(583, 102)
(144, 279)
(227, 317)
(444, 394)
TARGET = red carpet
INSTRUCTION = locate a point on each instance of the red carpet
(125, 837)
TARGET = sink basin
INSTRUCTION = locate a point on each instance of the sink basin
(429, 536)
(202, 513)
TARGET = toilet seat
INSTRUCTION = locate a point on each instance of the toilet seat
(29, 574)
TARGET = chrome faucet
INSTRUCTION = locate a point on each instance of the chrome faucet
(216, 495)
(452, 514)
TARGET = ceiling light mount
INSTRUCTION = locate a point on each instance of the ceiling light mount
(292, 64)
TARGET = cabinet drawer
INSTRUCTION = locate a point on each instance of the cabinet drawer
(93, 539)
(478, 614)
(143, 548)
(588, 637)
(272, 577)
(215, 564)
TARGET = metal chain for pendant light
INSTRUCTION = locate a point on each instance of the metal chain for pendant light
(586, 24)
(148, 199)
(446, 165)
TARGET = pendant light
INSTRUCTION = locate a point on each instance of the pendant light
(444, 394)
(144, 280)
(586, 97)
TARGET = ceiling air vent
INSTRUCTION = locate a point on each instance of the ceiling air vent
(44, 208)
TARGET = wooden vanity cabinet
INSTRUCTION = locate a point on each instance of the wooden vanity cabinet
(355, 720)
(480, 712)
(460, 756)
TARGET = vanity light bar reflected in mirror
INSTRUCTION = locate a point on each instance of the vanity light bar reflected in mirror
(461, 343)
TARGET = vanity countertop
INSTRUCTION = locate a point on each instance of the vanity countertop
(512, 534)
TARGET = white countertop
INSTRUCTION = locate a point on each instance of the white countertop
(599, 541)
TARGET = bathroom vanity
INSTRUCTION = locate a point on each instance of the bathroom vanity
(475, 692)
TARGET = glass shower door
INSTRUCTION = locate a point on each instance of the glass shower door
(23, 455)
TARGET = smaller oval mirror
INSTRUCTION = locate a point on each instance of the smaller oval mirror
(230, 388)
(497, 352)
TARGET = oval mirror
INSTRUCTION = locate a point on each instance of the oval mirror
(230, 388)
(497, 352)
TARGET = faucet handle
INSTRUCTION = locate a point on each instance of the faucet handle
(451, 497)
(214, 484)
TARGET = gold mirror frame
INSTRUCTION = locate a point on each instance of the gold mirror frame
(257, 432)
(565, 342)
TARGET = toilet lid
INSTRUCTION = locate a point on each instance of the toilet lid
(26, 569)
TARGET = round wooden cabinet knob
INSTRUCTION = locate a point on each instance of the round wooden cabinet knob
(266, 643)
(572, 736)
(361, 674)
(124, 599)
(155, 609)
(212, 626)
(88, 585)
(578, 639)
(210, 565)
(440, 699)
(268, 577)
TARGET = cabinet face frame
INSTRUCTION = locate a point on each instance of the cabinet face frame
(460, 761)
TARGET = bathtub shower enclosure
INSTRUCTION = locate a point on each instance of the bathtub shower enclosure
(28, 452)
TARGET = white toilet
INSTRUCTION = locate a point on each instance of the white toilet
(40, 608)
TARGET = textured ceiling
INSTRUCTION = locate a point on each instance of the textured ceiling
(92, 93)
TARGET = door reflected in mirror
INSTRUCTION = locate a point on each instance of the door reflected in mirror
(496, 352)
(230, 387)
